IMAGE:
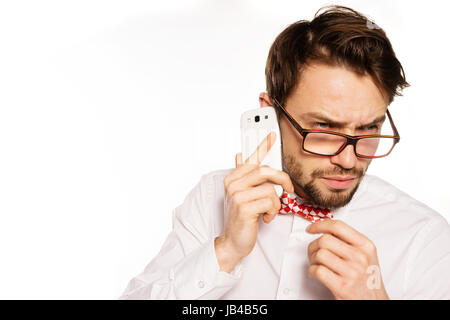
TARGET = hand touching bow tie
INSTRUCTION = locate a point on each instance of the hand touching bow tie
(345, 261)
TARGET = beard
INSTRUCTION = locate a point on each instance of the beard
(332, 199)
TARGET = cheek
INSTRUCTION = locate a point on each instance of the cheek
(364, 164)
(311, 163)
(291, 137)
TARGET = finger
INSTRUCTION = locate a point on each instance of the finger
(259, 176)
(266, 190)
(335, 245)
(269, 216)
(239, 172)
(261, 151)
(255, 208)
(251, 162)
(339, 229)
(330, 279)
(333, 262)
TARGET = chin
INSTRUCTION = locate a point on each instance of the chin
(332, 198)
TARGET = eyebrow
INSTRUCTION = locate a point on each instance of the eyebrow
(340, 124)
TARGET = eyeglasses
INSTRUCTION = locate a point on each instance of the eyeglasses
(330, 143)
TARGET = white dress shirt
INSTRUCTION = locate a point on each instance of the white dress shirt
(412, 241)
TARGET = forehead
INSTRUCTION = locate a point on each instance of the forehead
(338, 93)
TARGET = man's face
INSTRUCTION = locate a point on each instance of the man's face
(334, 94)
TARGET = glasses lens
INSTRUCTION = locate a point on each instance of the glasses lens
(323, 143)
(374, 147)
(330, 144)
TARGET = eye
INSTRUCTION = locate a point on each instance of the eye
(321, 125)
(373, 127)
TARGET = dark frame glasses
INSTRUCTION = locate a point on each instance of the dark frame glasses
(350, 140)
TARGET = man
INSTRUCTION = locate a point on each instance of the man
(331, 81)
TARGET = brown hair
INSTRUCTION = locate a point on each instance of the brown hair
(338, 36)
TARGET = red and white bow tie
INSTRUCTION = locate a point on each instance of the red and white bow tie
(294, 204)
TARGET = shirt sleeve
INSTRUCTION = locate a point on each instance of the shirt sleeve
(428, 270)
(186, 266)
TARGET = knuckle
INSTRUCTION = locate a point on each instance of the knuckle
(313, 270)
(364, 261)
(286, 176)
(226, 181)
(319, 270)
(277, 204)
(267, 203)
(241, 208)
(270, 188)
(262, 170)
(323, 240)
(369, 247)
(230, 192)
(237, 197)
(361, 269)
(273, 193)
(359, 259)
(272, 214)
(321, 254)
(310, 246)
(269, 206)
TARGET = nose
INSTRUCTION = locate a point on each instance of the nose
(346, 159)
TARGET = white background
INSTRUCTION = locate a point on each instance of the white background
(110, 111)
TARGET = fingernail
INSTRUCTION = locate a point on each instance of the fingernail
(308, 228)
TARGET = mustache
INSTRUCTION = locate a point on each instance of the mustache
(356, 172)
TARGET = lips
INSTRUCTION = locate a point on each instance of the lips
(340, 178)
(338, 182)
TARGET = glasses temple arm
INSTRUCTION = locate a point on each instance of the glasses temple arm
(396, 134)
(290, 118)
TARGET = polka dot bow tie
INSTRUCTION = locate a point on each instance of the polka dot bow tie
(292, 203)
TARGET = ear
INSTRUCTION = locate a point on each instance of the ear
(265, 100)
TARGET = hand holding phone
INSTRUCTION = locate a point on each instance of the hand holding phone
(249, 194)
(256, 124)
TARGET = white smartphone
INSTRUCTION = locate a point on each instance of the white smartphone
(256, 124)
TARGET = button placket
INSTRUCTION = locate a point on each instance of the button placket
(288, 276)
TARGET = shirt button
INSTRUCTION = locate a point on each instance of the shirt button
(286, 291)
(201, 284)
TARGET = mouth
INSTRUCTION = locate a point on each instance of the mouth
(338, 182)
